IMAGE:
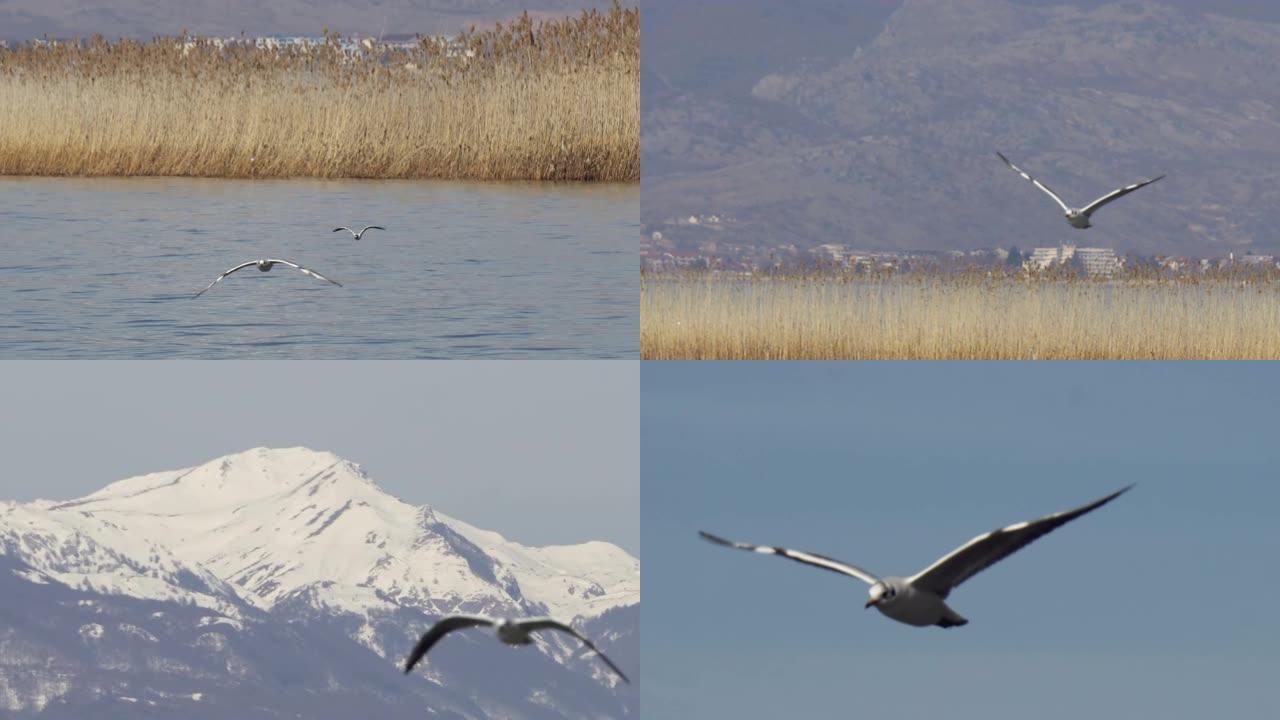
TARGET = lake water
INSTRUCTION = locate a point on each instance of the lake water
(100, 268)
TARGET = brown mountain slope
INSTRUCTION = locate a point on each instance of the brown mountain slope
(893, 145)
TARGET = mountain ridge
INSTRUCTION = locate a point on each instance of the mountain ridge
(222, 515)
(891, 146)
(250, 544)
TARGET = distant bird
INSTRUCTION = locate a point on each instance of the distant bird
(511, 632)
(358, 235)
(920, 599)
(265, 266)
(1079, 217)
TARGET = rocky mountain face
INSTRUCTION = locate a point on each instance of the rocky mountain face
(892, 145)
(276, 582)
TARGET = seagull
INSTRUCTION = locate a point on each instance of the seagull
(511, 632)
(1079, 217)
(920, 599)
(265, 266)
(358, 235)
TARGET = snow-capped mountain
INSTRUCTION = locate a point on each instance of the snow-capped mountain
(305, 539)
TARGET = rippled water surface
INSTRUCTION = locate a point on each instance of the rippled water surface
(96, 268)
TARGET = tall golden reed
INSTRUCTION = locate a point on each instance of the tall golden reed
(700, 316)
(552, 100)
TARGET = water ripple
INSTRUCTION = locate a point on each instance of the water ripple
(107, 269)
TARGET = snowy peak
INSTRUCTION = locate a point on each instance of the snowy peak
(275, 576)
(300, 525)
(232, 480)
(568, 580)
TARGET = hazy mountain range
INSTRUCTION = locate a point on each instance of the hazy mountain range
(277, 583)
(24, 19)
(876, 124)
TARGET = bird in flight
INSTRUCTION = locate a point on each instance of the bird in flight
(265, 266)
(920, 600)
(1078, 217)
(511, 632)
(358, 235)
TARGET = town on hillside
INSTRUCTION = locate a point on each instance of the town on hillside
(703, 244)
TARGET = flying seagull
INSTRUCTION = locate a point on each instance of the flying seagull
(920, 599)
(1078, 217)
(511, 632)
(358, 235)
(265, 266)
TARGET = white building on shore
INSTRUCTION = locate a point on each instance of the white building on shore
(1093, 260)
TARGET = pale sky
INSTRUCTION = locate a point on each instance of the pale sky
(1158, 605)
(542, 452)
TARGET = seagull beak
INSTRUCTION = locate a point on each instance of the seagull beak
(871, 602)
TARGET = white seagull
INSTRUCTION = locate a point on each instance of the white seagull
(265, 266)
(511, 632)
(920, 599)
(1079, 217)
(358, 235)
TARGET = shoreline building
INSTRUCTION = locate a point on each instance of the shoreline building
(1093, 260)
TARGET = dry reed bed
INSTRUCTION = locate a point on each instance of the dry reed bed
(555, 100)
(704, 317)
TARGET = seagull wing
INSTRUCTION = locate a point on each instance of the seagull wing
(1116, 195)
(339, 229)
(986, 550)
(219, 278)
(1035, 182)
(825, 563)
(443, 627)
(552, 624)
(372, 227)
(305, 271)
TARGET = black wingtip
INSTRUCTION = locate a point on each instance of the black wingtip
(713, 538)
(1114, 495)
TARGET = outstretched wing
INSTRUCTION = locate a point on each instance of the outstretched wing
(219, 278)
(1116, 195)
(372, 227)
(306, 271)
(1035, 182)
(815, 560)
(443, 627)
(986, 550)
(533, 624)
(339, 229)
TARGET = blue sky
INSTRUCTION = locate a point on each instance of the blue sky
(1161, 604)
(542, 452)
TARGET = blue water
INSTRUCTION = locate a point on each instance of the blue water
(105, 268)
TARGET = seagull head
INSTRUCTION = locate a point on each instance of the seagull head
(880, 592)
